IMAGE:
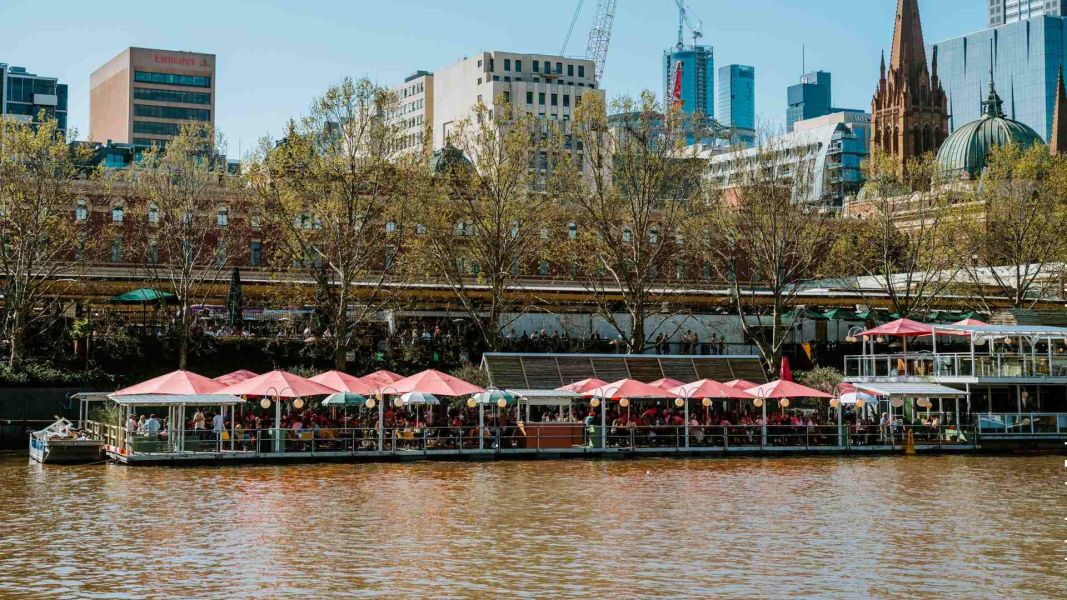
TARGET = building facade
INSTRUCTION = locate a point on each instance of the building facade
(909, 112)
(1002, 12)
(24, 95)
(808, 99)
(736, 103)
(547, 86)
(143, 96)
(689, 78)
(1025, 57)
(414, 111)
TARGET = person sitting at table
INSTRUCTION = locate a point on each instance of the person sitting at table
(151, 427)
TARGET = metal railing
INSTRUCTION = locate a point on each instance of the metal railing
(955, 365)
(1023, 424)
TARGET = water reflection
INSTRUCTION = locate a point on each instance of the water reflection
(840, 527)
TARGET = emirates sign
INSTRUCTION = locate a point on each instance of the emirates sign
(166, 59)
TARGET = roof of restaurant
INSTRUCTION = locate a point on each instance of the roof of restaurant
(1005, 330)
(910, 390)
(176, 399)
(551, 371)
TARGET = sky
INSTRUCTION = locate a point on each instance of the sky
(274, 56)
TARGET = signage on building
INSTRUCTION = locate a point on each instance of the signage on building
(184, 61)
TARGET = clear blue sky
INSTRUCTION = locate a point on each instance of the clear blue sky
(274, 56)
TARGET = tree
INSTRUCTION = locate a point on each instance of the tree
(334, 193)
(764, 237)
(181, 192)
(489, 213)
(1016, 240)
(904, 242)
(631, 193)
(41, 243)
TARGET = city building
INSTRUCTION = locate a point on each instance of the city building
(825, 152)
(1002, 12)
(1057, 141)
(24, 95)
(414, 111)
(689, 78)
(143, 96)
(808, 99)
(547, 86)
(736, 103)
(909, 112)
(1025, 57)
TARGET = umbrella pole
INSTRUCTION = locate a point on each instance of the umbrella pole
(381, 424)
(763, 429)
(481, 426)
(278, 425)
(686, 405)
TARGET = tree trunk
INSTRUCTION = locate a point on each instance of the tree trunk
(18, 341)
(340, 339)
(183, 339)
(637, 333)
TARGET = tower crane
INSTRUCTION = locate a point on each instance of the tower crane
(684, 19)
(600, 35)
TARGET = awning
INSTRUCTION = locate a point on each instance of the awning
(911, 390)
(995, 331)
(176, 400)
(545, 397)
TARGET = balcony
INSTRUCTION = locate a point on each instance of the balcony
(959, 367)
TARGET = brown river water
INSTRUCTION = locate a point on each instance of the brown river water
(885, 527)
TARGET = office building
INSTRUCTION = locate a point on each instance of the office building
(143, 96)
(1025, 56)
(24, 95)
(689, 78)
(736, 103)
(1002, 12)
(414, 111)
(547, 86)
(808, 99)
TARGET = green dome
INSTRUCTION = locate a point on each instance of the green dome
(964, 153)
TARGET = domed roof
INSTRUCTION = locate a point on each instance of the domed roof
(964, 153)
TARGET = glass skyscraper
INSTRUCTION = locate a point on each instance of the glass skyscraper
(698, 77)
(736, 103)
(808, 99)
(1002, 12)
(24, 95)
(1025, 57)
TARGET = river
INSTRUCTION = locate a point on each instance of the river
(953, 526)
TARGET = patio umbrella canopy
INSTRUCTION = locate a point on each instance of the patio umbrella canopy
(142, 296)
(381, 379)
(343, 382)
(281, 384)
(344, 399)
(706, 388)
(413, 398)
(630, 388)
(666, 383)
(900, 328)
(786, 389)
(494, 397)
(583, 386)
(435, 382)
(178, 382)
(740, 384)
(236, 377)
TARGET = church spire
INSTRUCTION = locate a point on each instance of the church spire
(909, 52)
(1057, 143)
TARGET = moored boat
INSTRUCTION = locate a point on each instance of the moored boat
(60, 442)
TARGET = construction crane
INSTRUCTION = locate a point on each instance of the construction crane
(684, 18)
(600, 35)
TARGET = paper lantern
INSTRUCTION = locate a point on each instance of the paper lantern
(471, 402)
(371, 403)
(860, 403)
(502, 403)
(834, 403)
(595, 402)
(298, 403)
(706, 402)
(398, 402)
(679, 402)
(265, 403)
(897, 402)
(784, 403)
(625, 402)
(758, 402)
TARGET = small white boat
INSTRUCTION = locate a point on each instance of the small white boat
(60, 442)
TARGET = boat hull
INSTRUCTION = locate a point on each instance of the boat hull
(64, 451)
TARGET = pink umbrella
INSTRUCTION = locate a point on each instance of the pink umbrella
(381, 379)
(630, 388)
(900, 328)
(971, 322)
(281, 384)
(786, 389)
(436, 383)
(740, 384)
(666, 383)
(583, 386)
(706, 388)
(343, 382)
(236, 377)
(178, 382)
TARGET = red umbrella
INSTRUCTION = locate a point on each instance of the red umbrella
(900, 328)
(436, 383)
(666, 383)
(740, 384)
(785, 372)
(583, 386)
(343, 382)
(236, 377)
(630, 388)
(178, 382)
(281, 384)
(381, 379)
(706, 388)
(786, 389)
(969, 322)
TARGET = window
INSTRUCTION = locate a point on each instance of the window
(420, 229)
(224, 217)
(479, 81)
(140, 93)
(536, 66)
(653, 235)
(116, 249)
(479, 62)
(153, 252)
(255, 253)
(507, 79)
(187, 217)
(507, 64)
(514, 229)
(171, 112)
(390, 227)
(559, 68)
(171, 79)
(572, 231)
(543, 268)
(156, 128)
(81, 211)
(496, 77)
(581, 70)
(555, 99)
(507, 96)
(566, 100)
(153, 214)
(255, 220)
(541, 98)
(220, 252)
(518, 66)
(626, 234)
(570, 70)
(117, 214)
(390, 257)
(529, 97)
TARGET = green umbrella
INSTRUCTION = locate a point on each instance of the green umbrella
(142, 296)
(840, 314)
(345, 399)
(494, 397)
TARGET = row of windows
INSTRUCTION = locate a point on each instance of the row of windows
(22, 89)
(538, 80)
(141, 93)
(156, 128)
(537, 64)
(118, 215)
(172, 79)
(552, 98)
(412, 90)
(171, 112)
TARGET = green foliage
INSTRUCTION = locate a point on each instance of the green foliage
(472, 374)
(824, 379)
(46, 373)
(109, 414)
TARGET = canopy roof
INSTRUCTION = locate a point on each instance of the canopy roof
(343, 382)
(280, 384)
(994, 331)
(142, 296)
(630, 388)
(177, 382)
(706, 388)
(435, 382)
(345, 399)
(911, 390)
(381, 379)
(900, 328)
(740, 384)
(236, 377)
(175, 399)
(786, 389)
(666, 383)
(583, 386)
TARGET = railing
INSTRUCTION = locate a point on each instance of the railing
(955, 365)
(111, 435)
(1023, 424)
